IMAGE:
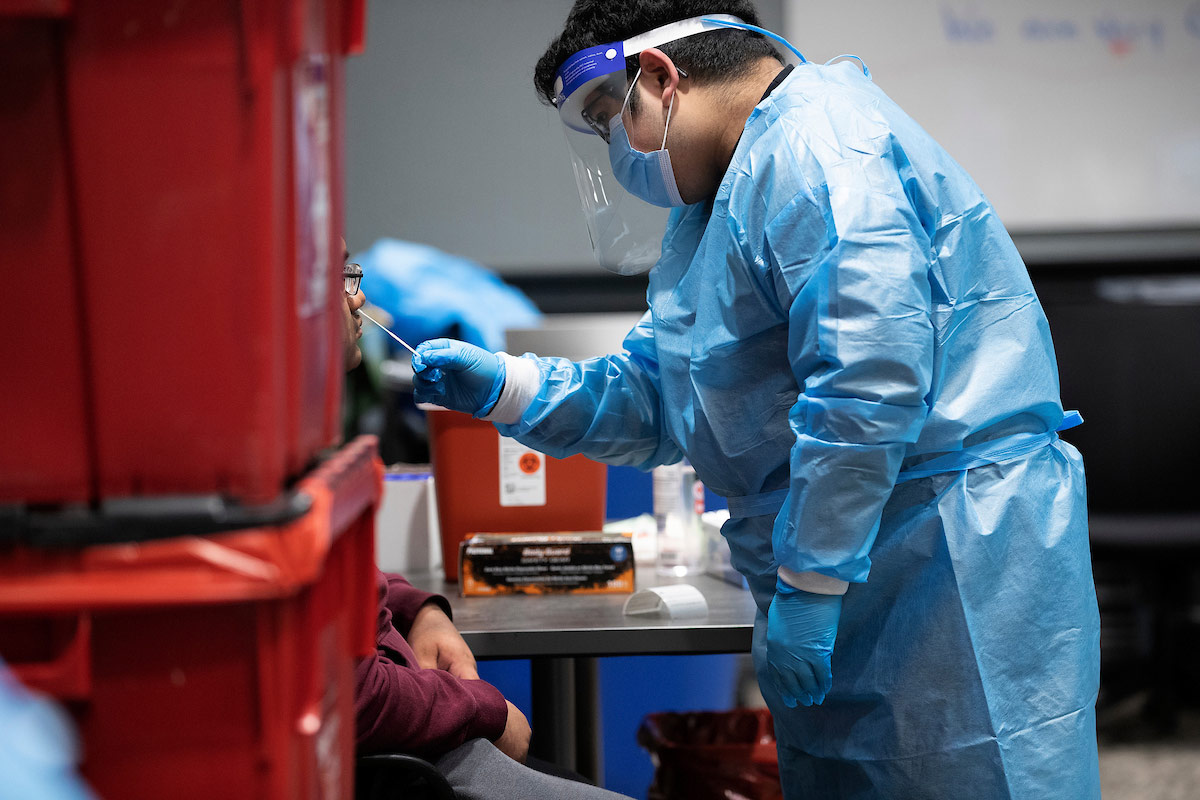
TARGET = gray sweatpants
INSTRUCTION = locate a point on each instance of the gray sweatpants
(478, 771)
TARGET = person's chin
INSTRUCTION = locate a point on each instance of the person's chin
(353, 358)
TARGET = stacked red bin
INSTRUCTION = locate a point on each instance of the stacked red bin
(170, 219)
(209, 666)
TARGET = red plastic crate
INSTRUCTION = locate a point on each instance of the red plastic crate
(169, 218)
(210, 667)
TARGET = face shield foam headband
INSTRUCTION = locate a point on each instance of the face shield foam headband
(625, 193)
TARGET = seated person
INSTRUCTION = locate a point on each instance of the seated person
(420, 692)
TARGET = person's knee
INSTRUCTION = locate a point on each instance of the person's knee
(472, 755)
(477, 770)
(480, 763)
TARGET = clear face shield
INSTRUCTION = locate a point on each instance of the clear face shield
(591, 90)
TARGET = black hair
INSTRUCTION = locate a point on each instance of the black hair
(713, 56)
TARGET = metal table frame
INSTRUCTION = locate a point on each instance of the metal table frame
(563, 634)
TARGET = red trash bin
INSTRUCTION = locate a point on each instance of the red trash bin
(169, 218)
(487, 483)
(712, 755)
(214, 666)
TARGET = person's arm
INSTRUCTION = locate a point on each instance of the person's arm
(855, 259)
(426, 712)
(607, 408)
(424, 620)
(405, 601)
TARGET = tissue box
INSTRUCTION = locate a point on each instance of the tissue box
(543, 563)
(407, 538)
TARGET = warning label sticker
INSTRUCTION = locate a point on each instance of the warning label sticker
(522, 475)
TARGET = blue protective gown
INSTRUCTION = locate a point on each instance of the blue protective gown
(845, 342)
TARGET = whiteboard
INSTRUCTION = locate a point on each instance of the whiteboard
(1072, 116)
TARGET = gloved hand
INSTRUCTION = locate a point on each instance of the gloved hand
(458, 376)
(801, 628)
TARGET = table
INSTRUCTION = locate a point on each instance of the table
(563, 634)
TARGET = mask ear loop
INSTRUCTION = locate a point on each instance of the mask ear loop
(667, 127)
(629, 94)
(670, 108)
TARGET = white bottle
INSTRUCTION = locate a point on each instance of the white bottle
(678, 504)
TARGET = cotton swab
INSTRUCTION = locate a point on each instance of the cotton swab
(389, 333)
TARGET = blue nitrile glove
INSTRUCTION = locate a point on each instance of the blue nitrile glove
(458, 376)
(801, 628)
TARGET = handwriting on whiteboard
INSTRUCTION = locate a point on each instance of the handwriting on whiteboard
(1120, 34)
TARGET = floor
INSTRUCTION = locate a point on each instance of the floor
(1162, 771)
(1139, 763)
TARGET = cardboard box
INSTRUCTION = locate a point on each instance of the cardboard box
(543, 563)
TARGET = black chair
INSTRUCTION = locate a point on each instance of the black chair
(394, 776)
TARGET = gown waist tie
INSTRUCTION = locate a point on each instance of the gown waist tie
(995, 451)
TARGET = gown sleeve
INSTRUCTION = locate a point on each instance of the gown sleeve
(854, 260)
(608, 408)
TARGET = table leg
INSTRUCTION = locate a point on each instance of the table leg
(554, 718)
(589, 731)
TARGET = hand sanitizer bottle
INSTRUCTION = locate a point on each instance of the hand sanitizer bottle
(678, 504)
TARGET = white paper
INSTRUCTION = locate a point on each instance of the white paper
(676, 600)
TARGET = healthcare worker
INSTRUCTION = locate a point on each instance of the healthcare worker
(843, 341)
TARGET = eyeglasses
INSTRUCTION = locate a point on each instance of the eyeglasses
(607, 103)
(598, 122)
(352, 275)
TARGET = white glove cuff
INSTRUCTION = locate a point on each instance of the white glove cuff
(813, 582)
(522, 380)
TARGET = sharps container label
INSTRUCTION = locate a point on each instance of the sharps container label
(522, 475)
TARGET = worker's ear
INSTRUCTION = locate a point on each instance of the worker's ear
(659, 74)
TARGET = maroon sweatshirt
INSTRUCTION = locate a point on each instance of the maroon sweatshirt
(401, 708)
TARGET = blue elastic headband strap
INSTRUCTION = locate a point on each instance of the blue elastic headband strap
(725, 23)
